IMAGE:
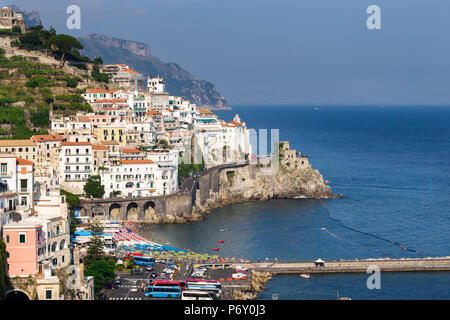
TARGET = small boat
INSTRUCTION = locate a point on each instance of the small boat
(220, 241)
(323, 228)
(305, 275)
(215, 249)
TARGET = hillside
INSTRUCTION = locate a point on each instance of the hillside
(31, 84)
(137, 55)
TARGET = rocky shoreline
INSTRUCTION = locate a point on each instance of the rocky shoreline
(257, 183)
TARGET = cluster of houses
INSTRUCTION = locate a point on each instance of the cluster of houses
(134, 139)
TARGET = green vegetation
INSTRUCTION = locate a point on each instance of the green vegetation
(94, 188)
(98, 76)
(163, 144)
(185, 170)
(62, 46)
(97, 264)
(72, 202)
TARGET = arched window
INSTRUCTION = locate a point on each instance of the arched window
(62, 244)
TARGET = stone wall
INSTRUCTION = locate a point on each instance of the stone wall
(215, 188)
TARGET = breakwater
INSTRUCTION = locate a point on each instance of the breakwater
(352, 266)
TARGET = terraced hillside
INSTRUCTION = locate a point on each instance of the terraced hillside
(32, 84)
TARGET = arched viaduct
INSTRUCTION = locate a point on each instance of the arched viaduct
(146, 208)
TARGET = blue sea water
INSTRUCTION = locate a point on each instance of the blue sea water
(393, 166)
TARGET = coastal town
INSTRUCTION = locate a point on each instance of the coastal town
(81, 193)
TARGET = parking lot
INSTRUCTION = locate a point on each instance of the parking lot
(131, 285)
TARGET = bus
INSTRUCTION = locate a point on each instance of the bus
(162, 292)
(169, 283)
(201, 282)
(144, 261)
(195, 295)
(209, 289)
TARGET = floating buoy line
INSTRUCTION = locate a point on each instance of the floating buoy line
(373, 235)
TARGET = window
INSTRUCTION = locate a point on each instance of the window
(22, 237)
(7, 238)
(23, 201)
(4, 168)
(48, 294)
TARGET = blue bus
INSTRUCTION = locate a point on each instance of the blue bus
(162, 292)
(144, 261)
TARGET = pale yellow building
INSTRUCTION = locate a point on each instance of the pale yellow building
(112, 133)
(25, 149)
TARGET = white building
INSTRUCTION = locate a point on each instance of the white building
(76, 165)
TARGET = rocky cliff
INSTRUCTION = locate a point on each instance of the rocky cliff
(137, 55)
(253, 182)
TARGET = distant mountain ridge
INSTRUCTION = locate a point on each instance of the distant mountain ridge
(179, 82)
(32, 17)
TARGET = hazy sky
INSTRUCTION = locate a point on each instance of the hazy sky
(285, 51)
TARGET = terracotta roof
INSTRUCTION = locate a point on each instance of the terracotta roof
(144, 161)
(84, 118)
(109, 101)
(47, 137)
(130, 71)
(97, 91)
(99, 147)
(110, 108)
(202, 110)
(70, 144)
(18, 143)
(153, 112)
(236, 123)
(23, 162)
(130, 150)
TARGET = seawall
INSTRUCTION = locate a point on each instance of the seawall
(213, 188)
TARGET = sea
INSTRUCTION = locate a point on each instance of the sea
(391, 163)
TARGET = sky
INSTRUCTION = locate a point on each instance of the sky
(308, 52)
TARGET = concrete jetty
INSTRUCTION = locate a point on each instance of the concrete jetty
(351, 266)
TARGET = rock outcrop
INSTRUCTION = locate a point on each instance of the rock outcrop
(255, 182)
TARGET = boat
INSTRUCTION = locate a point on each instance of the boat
(305, 275)
(215, 249)
(220, 241)
(323, 228)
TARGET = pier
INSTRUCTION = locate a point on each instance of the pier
(349, 266)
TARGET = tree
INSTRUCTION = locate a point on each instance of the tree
(94, 188)
(72, 202)
(102, 271)
(64, 45)
(96, 243)
(98, 60)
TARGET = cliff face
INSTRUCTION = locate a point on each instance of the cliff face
(137, 55)
(251, 183)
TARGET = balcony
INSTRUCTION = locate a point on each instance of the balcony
(75, 163)
(78, 171)
(75, 180)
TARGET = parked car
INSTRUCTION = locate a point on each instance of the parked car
(134, 289)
